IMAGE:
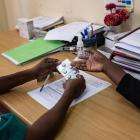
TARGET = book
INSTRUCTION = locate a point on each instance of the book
(32, 50)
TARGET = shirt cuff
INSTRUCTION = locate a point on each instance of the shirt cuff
(125, 83)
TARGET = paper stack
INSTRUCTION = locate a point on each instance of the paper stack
(127, 52)
(44, 23)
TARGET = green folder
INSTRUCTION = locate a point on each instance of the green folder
(32, 50)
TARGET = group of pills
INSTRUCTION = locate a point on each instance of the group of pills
(67, 70)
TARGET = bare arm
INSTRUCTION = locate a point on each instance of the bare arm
(48, 125)
(96, 62)
(114, 72)
(127, 86)
(42, 69)
(13, 80)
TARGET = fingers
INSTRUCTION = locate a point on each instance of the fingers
(81, 77)
(64, 85)
(80, 64)
(85, 55)
(51, 60)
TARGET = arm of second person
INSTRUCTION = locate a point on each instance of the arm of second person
(48, 125)
(40, 70)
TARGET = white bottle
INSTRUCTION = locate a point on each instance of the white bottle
(80, 47)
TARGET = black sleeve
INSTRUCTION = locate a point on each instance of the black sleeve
(129, 87)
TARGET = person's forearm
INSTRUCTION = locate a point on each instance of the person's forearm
(48, 125)
(10, 81)
(114, 72)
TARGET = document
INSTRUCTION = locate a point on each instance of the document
(66, 32)
(52, 92)
(69, 31)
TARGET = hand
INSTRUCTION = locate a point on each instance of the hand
(96, 62)
(46, 66)
(75, 87)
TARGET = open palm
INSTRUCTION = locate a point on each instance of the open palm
(94, 63)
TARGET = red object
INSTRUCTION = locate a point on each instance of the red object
(115, 19)
(111, 6)
(112, 20)
(124, 14)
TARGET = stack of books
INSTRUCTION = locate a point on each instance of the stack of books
(127, 51)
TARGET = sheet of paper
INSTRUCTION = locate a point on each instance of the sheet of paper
(54, 91)
(66, 32)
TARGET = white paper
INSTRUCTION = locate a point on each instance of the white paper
(128, 47)
(54, 91)
(132, 39)
(42, 22)
(66, 32)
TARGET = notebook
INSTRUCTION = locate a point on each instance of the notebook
(32, 50)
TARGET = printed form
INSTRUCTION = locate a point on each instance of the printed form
(52, 92)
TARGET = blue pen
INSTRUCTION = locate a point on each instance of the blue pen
(86, 33)
(82, 35)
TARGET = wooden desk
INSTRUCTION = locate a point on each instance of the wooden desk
(105, 116)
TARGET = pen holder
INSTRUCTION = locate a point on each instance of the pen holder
(89, 42)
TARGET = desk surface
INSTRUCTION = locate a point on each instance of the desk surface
(105, 116)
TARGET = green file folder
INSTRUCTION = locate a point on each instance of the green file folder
(32, 50)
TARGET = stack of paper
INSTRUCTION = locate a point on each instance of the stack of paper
(127, 52)
(44, 23)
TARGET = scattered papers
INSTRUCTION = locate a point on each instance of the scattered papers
(69, 31)
(54, 91)
(66, 32)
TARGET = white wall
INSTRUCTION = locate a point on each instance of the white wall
(3, 18)
(90, 10)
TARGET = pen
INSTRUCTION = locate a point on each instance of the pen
(86, 33)
(45, 82)
(82, 35)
